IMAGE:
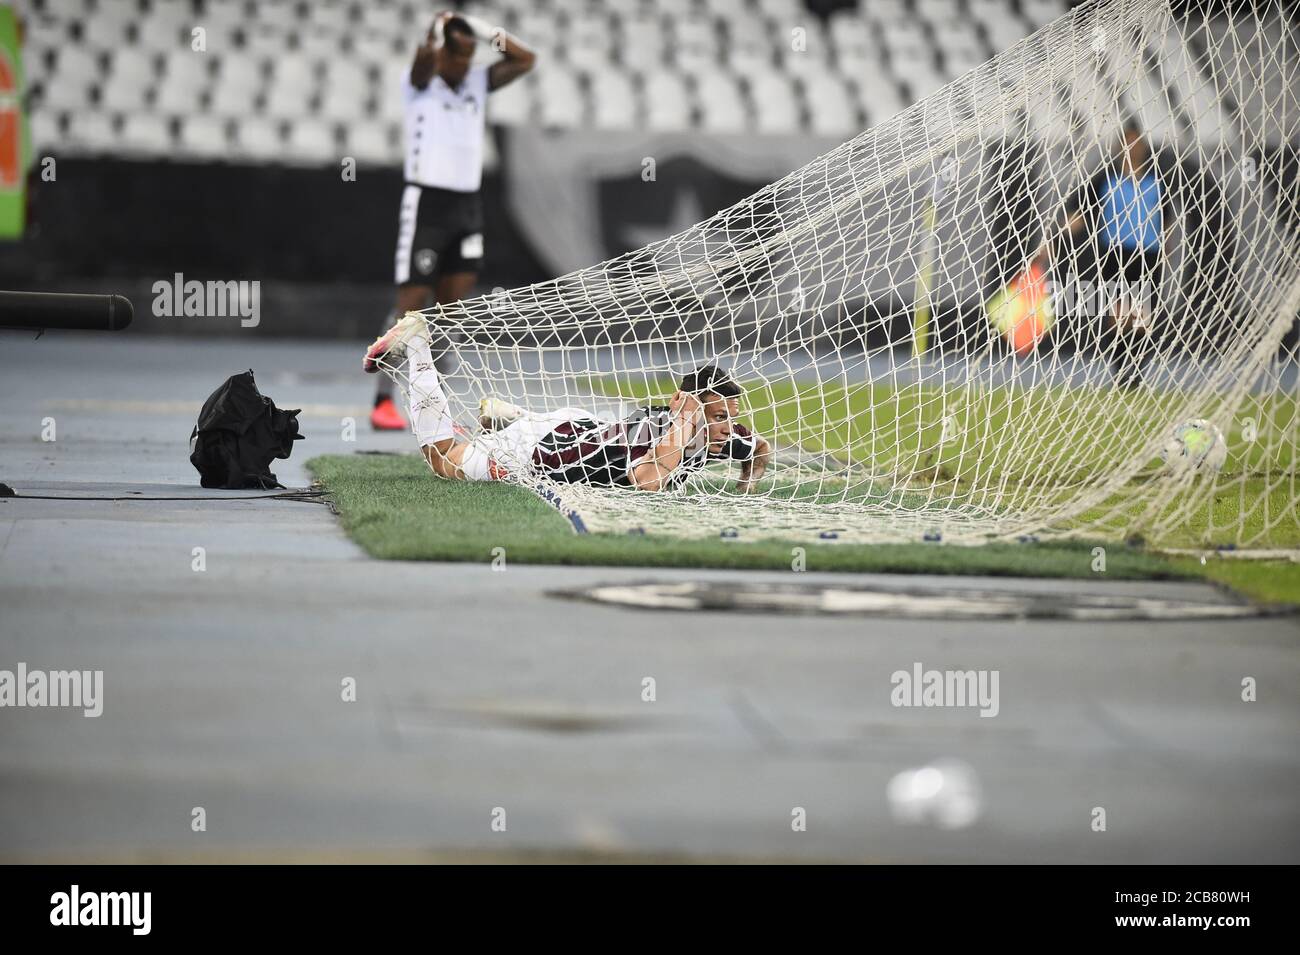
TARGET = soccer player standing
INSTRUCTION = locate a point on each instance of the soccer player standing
(440, 223)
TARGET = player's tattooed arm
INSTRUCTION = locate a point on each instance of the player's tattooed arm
(665, 457)
(752, 470)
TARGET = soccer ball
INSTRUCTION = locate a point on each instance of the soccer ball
(1194, 445)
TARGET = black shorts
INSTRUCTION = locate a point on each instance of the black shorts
(439, 232)
(1131, 273)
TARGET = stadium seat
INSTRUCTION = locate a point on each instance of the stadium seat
(513, 105)
(258, 138)
(278, 14)
(335, 18)
(124, 92)
(203, 137)
(882, 11)
(560, 99)
(1039, 13)
(375, 49)
(370, 142)
(389, 92)
(786, 11)
(46, 131)
(184, 79)
(91, 131)
(319, 43)
(79, 65)
(642, 44)
(235, 90)
(312, 142)
(264, 42)
(292, 87)
(666, 102)
(722, 107)
(588, 42)
(831, 109)
(694, 44)
(814, 57)
(146, 134)
(936, 12)
(776, 108)
(345, 90)
(614, 101)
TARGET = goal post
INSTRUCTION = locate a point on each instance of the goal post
(1129, 169)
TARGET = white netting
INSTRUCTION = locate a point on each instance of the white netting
(887, 306)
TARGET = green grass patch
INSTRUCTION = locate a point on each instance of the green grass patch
(1009, 449)
(1267, 581)
(395, 509)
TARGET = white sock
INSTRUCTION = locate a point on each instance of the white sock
(431, 419)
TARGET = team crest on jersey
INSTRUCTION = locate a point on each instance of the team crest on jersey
(425, 260)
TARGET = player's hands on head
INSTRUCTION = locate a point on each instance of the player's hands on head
(437, 36)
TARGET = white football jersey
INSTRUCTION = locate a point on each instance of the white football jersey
(444, 131)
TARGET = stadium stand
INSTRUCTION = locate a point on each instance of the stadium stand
(299, 81)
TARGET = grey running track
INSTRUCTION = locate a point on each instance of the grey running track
(475, 691)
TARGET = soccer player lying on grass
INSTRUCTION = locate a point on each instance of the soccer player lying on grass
(656, 448)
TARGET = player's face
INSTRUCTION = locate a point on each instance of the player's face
(719, 412)
(454, 58)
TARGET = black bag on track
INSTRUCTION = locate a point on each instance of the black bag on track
(239, 431)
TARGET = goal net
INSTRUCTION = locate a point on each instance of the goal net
(985, 318)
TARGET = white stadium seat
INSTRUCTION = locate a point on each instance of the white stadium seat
(377, 49)
(614, 102)
(587, 44)
(722, 107)
(106, 29)
(831, 109)
(278, 14)
(264, 42)
(46, 130)
(1042, 12)
(369, 142)
(76, 64)
(292, 88)
(389, 92)
(203, 137)
(776, 108)
(513, 105)
(124, 92)
(694, 45)
(331, 17)
(560, 99)
(642, 44)
(91, 131)
(318, 43)
(258, 138)
(60, 94)
(146, 134)
(345, 90)
(666, 102)
(184, 78)
(938, 11)
(312, 143)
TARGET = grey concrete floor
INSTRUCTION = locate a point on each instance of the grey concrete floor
(477, 691)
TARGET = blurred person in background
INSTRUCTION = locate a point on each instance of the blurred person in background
(1125, 209)
(440, 223)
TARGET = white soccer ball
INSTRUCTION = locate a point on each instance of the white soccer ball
(1194, 445)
